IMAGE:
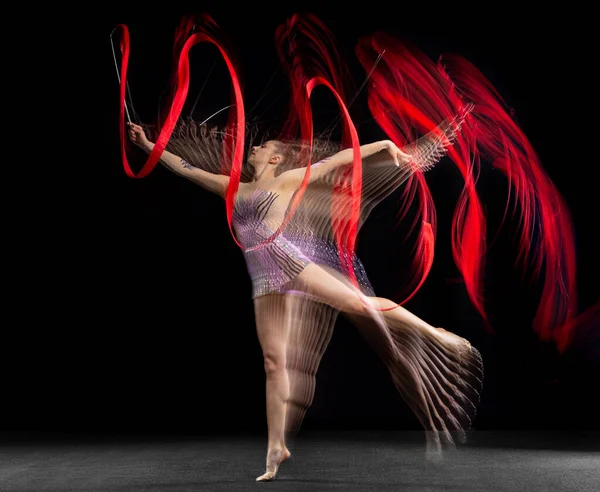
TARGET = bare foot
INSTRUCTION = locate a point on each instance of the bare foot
(274, 459)
(433, 455)
(462, 344)
(433, 447)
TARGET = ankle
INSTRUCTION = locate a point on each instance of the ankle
(276, 446)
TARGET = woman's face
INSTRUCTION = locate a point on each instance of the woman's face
(263, 155)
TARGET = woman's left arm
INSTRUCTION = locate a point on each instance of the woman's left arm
(344, 157)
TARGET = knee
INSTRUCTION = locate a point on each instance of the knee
(274, 363)
(356, 306)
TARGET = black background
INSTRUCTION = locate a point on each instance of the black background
(141, 302)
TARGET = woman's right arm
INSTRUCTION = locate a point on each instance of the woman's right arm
(216, 183)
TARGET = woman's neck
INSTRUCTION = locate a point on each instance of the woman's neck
(265, 175)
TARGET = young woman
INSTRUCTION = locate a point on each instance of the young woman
(299, 287)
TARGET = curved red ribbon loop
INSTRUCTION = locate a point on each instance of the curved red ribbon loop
(401, 99)
(183, 80)
(349, 232)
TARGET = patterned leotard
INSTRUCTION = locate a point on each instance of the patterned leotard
(273, 266)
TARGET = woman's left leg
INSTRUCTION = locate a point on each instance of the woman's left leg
(438, 373)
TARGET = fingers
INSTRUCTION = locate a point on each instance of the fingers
(398, 155)
(135, 131)
(395, 152)
(402, 157)
(394, 155)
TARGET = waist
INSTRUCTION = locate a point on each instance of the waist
(257, 235)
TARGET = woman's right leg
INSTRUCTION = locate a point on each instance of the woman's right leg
(272, 316)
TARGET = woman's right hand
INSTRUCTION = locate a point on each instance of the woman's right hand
(137, 136)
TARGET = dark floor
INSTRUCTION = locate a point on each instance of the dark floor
(391, 461)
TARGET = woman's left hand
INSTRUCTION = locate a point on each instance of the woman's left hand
(398, 156)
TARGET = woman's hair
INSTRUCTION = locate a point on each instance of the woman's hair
(202, 146)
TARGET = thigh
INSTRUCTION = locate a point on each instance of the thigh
(273, 318)
(332, 289)
(337, 291)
